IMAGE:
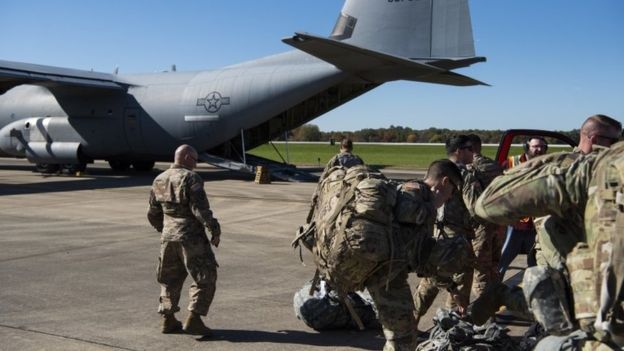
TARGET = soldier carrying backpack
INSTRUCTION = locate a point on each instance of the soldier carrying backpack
(365, 232)
(345, 158)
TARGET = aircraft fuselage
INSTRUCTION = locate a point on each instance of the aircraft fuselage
(163, 110)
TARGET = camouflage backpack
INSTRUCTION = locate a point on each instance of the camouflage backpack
(353, 217)
(597, 267)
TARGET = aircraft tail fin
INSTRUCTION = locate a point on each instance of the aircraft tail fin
(415, 29)
(386, 40)
(379, 67)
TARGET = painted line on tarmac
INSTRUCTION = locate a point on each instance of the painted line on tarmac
(67, 337)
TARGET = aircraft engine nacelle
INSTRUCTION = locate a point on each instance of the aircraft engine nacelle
(37, 139)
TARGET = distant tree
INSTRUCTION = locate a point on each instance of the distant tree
(311, 132)
(307, 132)
(437, 138)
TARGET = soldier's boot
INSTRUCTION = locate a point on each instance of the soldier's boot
(486, 305)
(403, 344)
(169, 324)
(195, 326)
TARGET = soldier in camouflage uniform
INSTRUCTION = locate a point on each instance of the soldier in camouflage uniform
(592, 271)
(393, 299)
(488, 240)
(560, 228)
(453, 220)
(179, 209)
(344, 158)
(557, 234)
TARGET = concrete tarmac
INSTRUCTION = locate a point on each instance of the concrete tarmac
(78, 265)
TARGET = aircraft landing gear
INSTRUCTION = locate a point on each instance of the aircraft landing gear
(73, 168)
(47, 167)
(66, 168)
(143, 166)
(119, 165)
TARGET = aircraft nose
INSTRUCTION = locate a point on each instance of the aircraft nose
(12, 139)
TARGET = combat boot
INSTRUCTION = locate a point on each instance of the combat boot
(169, 324)
(195, 326)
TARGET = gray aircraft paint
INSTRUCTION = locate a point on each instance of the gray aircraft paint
(58, 115)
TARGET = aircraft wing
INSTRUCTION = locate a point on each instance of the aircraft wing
(380, 67)
(13, 74)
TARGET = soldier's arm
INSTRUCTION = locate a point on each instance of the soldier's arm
(155, 212)
(524, 192)
(427, 207)
(198, 202)
(471, 191)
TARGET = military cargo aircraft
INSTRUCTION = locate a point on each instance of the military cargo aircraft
(58, 117)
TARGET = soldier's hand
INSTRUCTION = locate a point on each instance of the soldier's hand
(215, 229)
(215, 240)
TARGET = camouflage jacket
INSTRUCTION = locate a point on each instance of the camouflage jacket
(414, 216)
(552, 188)
(443, 260)
(456, 217)
(178, 206)
(604, 224)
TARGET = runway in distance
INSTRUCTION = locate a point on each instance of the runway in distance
(59, 117)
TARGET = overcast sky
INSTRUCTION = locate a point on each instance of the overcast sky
(551, 63)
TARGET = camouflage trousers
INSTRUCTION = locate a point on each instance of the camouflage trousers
(487, 245)
(428, 290)
(495, 296)
(177, 260)
(396, 313)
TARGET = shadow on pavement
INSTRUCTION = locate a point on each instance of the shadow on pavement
(368, 339)
(101, 178)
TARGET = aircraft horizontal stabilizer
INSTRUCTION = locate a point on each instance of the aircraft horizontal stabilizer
(380, 67)
(13, 74)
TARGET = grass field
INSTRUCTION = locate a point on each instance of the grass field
(395, 156)
(406, 156)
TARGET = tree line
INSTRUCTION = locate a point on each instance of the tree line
(399, 134)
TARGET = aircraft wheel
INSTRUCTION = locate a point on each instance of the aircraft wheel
(118, 165)
(47, 167)
(143, 166)
(73, 168)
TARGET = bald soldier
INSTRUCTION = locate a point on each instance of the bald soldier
(179, 209)
(557, 234)
(560, 228)
(581, 305)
